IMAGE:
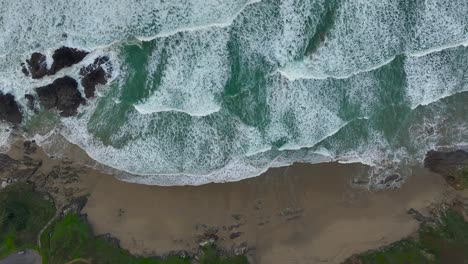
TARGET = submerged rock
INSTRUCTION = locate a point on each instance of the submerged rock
(93, 75)
(36, 66)
(9, 109)
(66, 57)
(63, 95)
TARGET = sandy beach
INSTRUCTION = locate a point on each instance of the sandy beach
(297, 214)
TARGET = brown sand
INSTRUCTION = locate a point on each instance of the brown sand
(298, 214)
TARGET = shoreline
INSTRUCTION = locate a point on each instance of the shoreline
(303, 213)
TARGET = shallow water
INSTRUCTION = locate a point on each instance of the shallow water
(221, 90)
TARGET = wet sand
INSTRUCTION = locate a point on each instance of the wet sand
(297, 214)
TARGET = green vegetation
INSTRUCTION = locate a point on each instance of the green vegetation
(69, 239)
(211, 256)
(23, 214)
(443, 242)
(462, 178)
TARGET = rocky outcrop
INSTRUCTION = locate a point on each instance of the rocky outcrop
(65, 57)
(36, 66)
(453, 166)
(9, 109)
(93, 75)
(62, 95)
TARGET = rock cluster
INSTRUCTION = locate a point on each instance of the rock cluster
(63, 93)
(37, 66)
(65, 57)
(94, 74)
(9, 109)
(62, 58)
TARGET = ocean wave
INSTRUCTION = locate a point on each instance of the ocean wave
(146, 109)
(298, 70)
(226, 23)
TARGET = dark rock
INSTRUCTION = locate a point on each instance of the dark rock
(445, 162)
(235, 235)
(93, 75)
(391, 180)
(9, 109)
(24, 69)
(63, 95)
(37, 66)
(31, 101)
(66, 57)
(453, 166)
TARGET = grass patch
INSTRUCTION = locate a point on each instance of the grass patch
(443, 242)
(23, 213)
(71, 238)
(211, 256)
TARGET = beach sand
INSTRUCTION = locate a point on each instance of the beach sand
(297, 214)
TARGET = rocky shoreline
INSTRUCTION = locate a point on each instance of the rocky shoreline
(61, 179)
(60, 182)
(62, 95)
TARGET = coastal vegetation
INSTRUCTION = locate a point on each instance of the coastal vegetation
(23, 214)
(443, 240)
(69, 238)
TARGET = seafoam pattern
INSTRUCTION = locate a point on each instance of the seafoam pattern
(292, 103)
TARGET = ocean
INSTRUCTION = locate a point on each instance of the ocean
(221, 90)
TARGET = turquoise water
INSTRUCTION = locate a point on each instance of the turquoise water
(220, 90)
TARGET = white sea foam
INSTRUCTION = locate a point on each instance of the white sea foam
(299, 70)
(225, 22)
(94, 23)
(436, 76)
(5, 132)
(354, 45)
(188, 73)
